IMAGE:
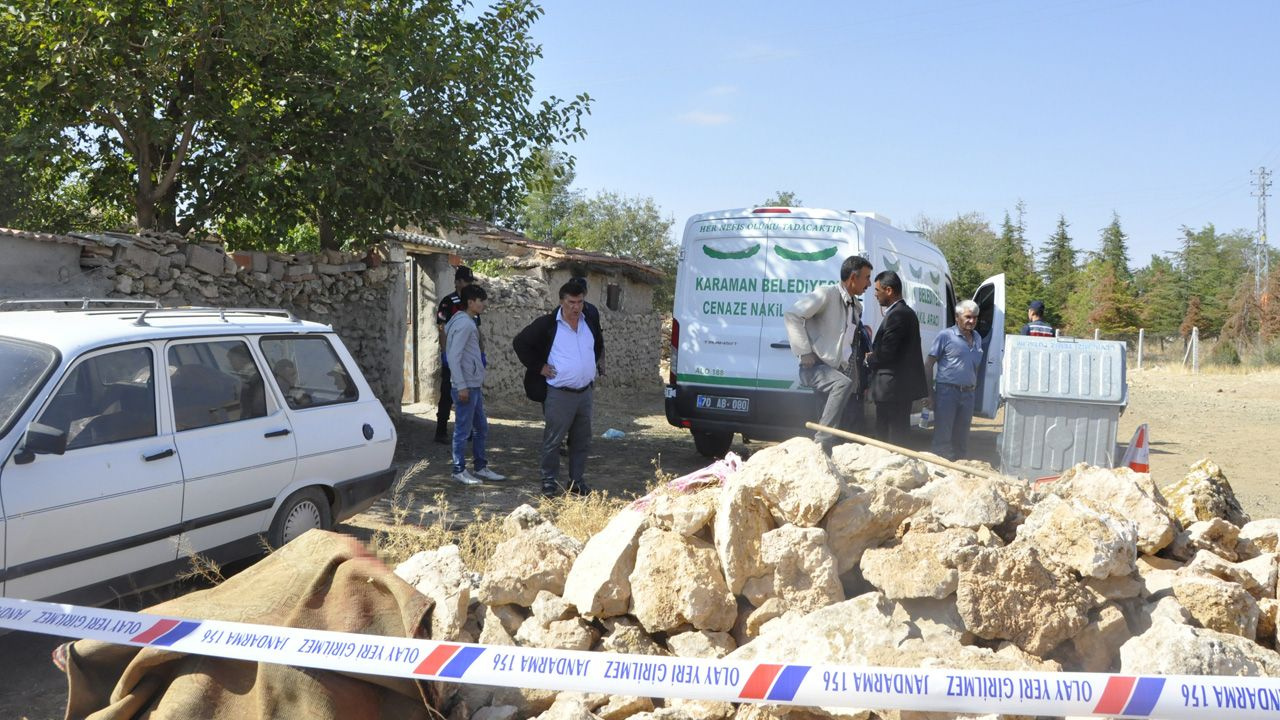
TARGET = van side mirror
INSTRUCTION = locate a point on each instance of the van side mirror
(41, 440)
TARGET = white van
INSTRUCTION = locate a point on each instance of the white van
(732, 369)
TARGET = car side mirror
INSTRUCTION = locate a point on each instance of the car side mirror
(41, 440)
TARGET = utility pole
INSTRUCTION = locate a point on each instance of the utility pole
(1262, 269)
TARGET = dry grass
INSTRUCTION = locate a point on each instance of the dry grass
(433, 525)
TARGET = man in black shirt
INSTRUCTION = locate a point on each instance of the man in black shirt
(451, 304)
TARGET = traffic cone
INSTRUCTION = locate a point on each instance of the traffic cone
(1137, 456)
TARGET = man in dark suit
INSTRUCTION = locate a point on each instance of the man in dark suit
(897, 365)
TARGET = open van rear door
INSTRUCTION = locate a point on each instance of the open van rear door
(990, 300)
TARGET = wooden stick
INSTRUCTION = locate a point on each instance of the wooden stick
(932, 459)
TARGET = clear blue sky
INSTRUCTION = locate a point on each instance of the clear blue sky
(1158, 110)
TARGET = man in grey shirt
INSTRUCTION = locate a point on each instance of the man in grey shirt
(956, 356)
(467, 371)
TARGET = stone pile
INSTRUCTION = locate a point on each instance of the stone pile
(871, 558)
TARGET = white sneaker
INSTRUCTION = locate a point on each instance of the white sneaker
(487, 474)
(466, 478)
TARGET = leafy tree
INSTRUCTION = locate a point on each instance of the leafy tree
(627, 227)
(1115, 249)
(544, 214)
(967, 243)
(1059, 270)
(346, 116)
(783, 198)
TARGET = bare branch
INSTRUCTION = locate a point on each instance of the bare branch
(188, 132)
(109, 118)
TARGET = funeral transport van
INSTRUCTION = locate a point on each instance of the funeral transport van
(732, 368)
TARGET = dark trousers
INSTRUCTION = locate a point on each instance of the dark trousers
(445, 403)
(567, 415)
(893, 422)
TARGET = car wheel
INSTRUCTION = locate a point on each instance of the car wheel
(304, 510)
(712, 443)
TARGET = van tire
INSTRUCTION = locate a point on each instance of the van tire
(712, 443)
(304, 510)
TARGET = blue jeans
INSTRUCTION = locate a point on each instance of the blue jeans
(953, 413)
(469, 421)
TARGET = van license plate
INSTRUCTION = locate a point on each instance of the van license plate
(719, 402)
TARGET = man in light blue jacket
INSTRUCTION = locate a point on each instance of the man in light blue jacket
(466, 365)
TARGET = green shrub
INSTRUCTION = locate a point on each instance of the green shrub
(494, 267)
(1224, 353)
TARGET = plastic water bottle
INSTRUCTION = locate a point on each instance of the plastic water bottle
(613, 434)
(926, 417)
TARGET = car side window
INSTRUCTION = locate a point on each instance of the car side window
(215, 382)
(308, 371)
(107, 398)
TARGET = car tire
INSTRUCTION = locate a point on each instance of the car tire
(712, 443)
(304, 510)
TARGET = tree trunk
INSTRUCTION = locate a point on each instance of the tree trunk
(325, 228)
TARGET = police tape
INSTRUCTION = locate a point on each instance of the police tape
(1171, 697)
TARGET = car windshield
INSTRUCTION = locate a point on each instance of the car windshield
(23, 366)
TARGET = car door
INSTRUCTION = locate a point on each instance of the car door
(233, 438)
(110, 504)
(990, 300)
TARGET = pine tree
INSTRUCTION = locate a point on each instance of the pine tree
(1022, 284)
(1193, 318)
(1161, 296)
(1115, 249)
(1115, 311)
(1059, 270)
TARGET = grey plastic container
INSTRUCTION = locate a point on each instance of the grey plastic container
(1063, 399)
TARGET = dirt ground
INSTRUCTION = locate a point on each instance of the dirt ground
(1231, 418)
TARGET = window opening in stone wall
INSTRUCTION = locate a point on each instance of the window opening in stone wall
(613, 296)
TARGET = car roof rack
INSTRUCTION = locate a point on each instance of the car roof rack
(85, 303)
(221, 312)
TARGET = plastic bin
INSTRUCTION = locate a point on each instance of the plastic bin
(1063, 400)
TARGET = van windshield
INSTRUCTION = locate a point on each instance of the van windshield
(23, 368)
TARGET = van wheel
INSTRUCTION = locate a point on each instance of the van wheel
(304, 510)
(712, 443)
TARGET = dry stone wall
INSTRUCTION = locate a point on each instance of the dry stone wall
(868, 558)
(631, 339)
(361, 296)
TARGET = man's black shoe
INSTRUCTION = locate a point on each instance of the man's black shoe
(579, 488)
(551, 488)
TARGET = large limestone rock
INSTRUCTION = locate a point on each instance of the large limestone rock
(625, 635)
(598, 584)
(944, 651)
(537, 557)
(932, 617)
(1011, 594)
(1204, 494)
(802, 570)
(1217, 604)
(742, 518)
(796, 480)
(866, 518)
(701, 644)
(441, 575)
(1097, 645)
(1259, 536)
(1128, 494)
(1216, 535)
(920, 565)
(1081, 535)
(965, 501)
(869, 465)
(677, 580)
(1170, 648)
(845, 633)
(685, 513)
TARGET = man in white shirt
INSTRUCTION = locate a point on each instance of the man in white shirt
(824, 329)
(561, 352)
